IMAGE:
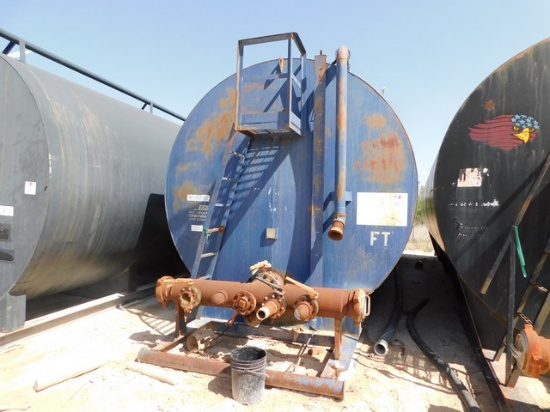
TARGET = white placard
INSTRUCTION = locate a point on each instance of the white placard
(30, 188)
(198, 198)
(6, 210)
(196, 228)
(382, 209)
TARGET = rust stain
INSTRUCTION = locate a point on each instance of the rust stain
(184, 167)
(248, 87)
(328, 132)
(215, 129)
(375, 121)
(180, 194)
(229, 101)
(282, 64)
(317, 182)
(318, 147)
(382, 160)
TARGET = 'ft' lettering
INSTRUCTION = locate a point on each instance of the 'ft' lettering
(374, 237)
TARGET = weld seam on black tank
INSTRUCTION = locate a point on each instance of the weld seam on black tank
(465, 396)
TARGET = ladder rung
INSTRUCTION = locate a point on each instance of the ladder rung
(540, 288)
(524, 318)
(215, 229)
(239, 154)
(209, 254)
(230, 180)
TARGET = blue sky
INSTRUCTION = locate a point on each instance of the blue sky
(428, 56)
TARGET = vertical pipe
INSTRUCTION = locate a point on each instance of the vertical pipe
(290, 69)
(22, 51)
(240, 64)
(511, 309)
(318, 171)
(336, 231)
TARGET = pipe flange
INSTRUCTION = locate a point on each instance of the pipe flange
(279, 301)
(532, 352)
(190, 298)
(361, 306)
(305, 308)
(162, 290)
(244, 302)
(271, 277)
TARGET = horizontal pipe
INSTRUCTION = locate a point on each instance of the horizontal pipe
(333, 303)
(50, 56)
(277, 379)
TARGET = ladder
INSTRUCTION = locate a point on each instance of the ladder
(256, 116)
(219, 207)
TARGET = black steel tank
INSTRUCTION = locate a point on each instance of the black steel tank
(486, 200)
(79, 171)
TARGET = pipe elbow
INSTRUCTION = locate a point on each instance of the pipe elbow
(342, 53)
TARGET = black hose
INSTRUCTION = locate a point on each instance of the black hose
(473, 336)
(381, 345)
(465, 396)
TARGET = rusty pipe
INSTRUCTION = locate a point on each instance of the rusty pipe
(277, 379)
(336, 231)
(328, 302)
(269, 309)
(532, 352)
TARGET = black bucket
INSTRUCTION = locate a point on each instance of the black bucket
(248, 374)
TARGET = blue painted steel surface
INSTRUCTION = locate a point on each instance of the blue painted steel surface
(272, 216)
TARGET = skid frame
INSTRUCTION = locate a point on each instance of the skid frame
(330, 381)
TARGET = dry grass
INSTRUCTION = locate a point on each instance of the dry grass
(419, 241)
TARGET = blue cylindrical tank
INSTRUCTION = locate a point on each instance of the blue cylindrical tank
(77, 172)
(283, 201)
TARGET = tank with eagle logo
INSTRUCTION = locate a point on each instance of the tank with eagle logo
(483, 184)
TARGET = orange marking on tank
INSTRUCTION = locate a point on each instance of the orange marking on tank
(215, 129)
(181, 192)
(382, 160)
(375, 121)
(184, 167)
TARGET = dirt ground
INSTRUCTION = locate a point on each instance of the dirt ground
(402, 380)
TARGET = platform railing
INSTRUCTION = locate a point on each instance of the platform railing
(25, 45)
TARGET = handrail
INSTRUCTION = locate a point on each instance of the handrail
(23, 45)
(270, 121)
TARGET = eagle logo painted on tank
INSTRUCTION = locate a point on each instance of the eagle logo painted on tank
(506, 131)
